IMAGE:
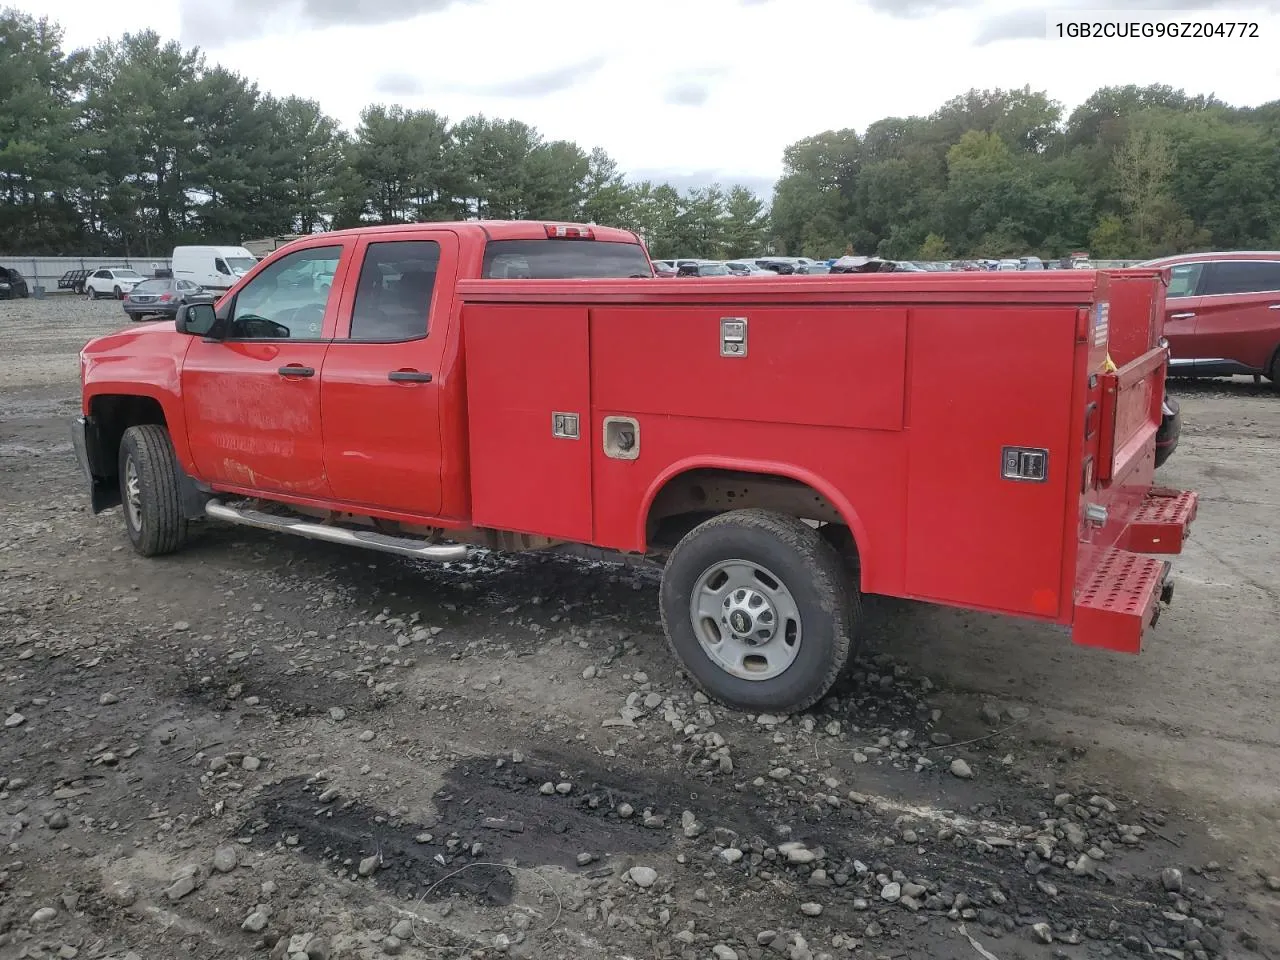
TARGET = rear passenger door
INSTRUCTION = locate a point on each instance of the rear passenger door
(381, 382)
(1238, 313)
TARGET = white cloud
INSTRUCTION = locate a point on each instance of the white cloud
(706, 88)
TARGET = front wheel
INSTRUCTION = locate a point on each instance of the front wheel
(759, 609)
(149, 491)
(119, 293)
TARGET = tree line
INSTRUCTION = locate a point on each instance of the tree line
(1133, 172)
(139, 144)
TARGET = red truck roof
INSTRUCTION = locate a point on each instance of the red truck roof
(503, 229)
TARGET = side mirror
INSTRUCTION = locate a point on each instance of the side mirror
(195, 319)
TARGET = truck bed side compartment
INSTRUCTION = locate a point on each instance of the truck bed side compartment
(815, 365)
(528, 418)
(974, 536)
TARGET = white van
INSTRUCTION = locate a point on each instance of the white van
(214, 268)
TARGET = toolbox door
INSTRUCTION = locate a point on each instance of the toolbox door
(528, 418)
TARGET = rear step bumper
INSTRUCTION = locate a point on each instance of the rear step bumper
(370, 540)
(1162, 522)
(1120, 591)
(1120, 601)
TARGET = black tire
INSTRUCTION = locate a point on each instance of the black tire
(161, 527)
(811, 570)
(119, 294)
(93, 293)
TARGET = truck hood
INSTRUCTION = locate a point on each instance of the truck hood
(143, 359)
(130, 339)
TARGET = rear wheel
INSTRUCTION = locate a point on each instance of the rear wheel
(759, 609)
(149, 491)
(93, 293)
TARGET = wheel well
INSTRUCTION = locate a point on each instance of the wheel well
(697, 495)
(113, 414)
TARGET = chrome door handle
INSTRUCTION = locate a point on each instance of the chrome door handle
(1180, 316)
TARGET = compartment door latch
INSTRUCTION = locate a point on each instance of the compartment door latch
(1028, 464)
(733, 336)
(564, 426)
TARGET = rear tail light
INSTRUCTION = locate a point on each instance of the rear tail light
(166, 297)
(558, 231)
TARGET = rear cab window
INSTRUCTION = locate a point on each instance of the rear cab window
(556, 259)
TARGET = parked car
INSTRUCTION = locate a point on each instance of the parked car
(1222, 313)
(745, 268)
(162, 298)
(1030, 263)
(663, 268)
(702, 268)
(1005, 265)
(112, 282)
(814, 269)
(13, 286)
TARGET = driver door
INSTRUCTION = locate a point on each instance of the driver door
(252, 396)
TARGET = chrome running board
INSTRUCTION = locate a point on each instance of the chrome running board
(370, 540)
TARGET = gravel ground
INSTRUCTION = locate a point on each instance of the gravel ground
(264, 746)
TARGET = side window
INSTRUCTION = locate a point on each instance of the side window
(287, 300)
(1183, 279)
(393, 298)
(1241, 276)
(221, 266)
(102, 275)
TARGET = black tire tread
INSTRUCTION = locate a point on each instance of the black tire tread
(164, 528)
(830, 577)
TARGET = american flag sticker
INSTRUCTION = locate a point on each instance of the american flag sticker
(1102, 324)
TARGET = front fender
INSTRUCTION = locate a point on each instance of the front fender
(143, 361)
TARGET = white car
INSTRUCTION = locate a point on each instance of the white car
(111, 282)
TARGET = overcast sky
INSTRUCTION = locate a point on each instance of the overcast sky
(691, 91)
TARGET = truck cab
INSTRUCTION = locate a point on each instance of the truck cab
(781, 446)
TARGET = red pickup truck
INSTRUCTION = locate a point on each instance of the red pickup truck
(783, 445)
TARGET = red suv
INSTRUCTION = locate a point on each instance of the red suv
(1223, 314)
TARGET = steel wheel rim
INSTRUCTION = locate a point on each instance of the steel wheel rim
(746, 620)
(132, 493)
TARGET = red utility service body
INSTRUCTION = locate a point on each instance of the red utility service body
(962, 425)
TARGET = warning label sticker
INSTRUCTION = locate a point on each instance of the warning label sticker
(1101, 324)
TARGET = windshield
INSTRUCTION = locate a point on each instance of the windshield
(713, 270)
(243, 264)
(563, 259)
